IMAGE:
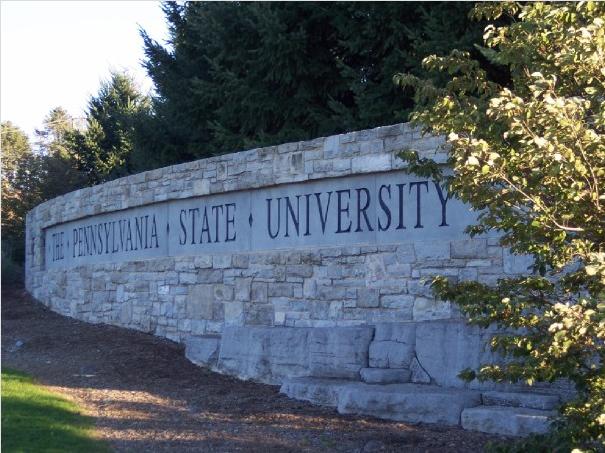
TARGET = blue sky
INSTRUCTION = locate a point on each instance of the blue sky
(56, 53)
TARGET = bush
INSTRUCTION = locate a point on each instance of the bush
(12, 271)
(531, 157)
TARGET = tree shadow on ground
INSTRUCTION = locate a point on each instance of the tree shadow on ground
(147, 396)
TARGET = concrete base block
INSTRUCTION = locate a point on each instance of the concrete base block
(385, 376)
(271, 354)
(265, 354)
(444, 348)
(393, 345)
(390, 354)
(203, 350)
(323, 392)
(402, 402)
(528, 400)
(339, 352)
(510, 421)
(418, 374)
(407, 402)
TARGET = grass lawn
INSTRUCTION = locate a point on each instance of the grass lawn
(35, 419)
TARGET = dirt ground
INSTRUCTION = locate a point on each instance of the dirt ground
(145, 396)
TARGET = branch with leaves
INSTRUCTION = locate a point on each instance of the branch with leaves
(531, 157)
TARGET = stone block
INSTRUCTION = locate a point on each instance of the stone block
(317, 391)
(244, 353)
(281, 290)
(405, 254)
(508, 421)
(469, 248)
(468, 274)
(233, 313)
(259, 292)
(368, 163)
(384, 376)
(404, 302)
(223, 292)
(444, 348)
(517, 399)
(434, 250)
(198, 326)
(419, 288)
(404, 332)
(368, 298)
(187, 277)
(407, 402)
(202, 262)
(210, 276)
(390, 354)
(393, 345)
(242, 289)
(259, 314)
(517, 264)
(289, 348)
(339, 352)
(299, 270)
(418, 374)
(310, 289)
(279, 318)
(265, 354)
(332, 292)
(200, 302)
(126, 313)
(426, 309)
(241, 261)
(203, 350)
(221, 261)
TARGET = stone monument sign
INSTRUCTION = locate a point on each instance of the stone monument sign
(302, 265)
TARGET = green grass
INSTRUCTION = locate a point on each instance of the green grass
(35, 419)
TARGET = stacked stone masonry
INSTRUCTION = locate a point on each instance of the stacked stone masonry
(342, 311)
(327, 286)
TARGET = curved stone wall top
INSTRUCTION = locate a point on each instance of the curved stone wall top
(352, 153)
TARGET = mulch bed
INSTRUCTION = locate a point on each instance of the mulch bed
(144, 395)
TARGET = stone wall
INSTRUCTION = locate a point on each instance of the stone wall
(203, 294)
(299, 300)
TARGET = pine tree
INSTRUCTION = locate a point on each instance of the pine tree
(21, 175)
(105, 150)
(239, 75)
(60, 164)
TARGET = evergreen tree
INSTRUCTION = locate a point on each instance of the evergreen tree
(53, 137)
(59, 161)
(239, 75)
(21, 175)
(32, 176)
(105, 150)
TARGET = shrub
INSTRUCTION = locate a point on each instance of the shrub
(530, 157)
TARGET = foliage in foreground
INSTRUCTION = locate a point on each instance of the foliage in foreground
(531, 157)
(35, 419)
